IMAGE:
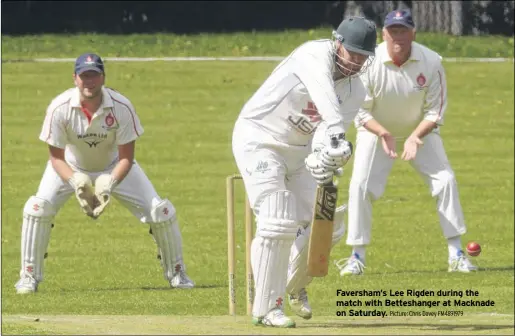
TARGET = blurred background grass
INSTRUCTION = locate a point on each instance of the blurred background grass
(233, 44)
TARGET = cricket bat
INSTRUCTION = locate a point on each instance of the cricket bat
(321, 237)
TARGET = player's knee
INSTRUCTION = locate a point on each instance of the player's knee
(277, 218)
(162, 211)
(445, 180)
(260, 195)
(362, 188)
(339, 224)
(448, 178)
(357, 187)
(38, 207)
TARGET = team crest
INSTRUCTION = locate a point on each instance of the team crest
(89, 60)
(110, 122)
(421, 80)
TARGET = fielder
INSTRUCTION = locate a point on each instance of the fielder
(406, 101)
(91, 133)
(272, 138)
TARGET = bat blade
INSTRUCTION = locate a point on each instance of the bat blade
(321, 236)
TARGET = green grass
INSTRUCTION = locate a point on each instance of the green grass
(234, 44)
(225, 325)
(108, 267)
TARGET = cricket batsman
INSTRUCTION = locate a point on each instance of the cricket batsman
(405, 103)
(91, 132)
(315, 90)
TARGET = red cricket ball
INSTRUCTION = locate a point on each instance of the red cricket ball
(473, 249)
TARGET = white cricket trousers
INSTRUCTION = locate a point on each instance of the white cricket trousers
(135, 192)
(370, 173)
(281, 192)
(268, 165)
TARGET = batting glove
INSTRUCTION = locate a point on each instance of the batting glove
(337, 154)
(322, 173)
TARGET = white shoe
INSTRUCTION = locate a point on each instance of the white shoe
(275, 318)
(460, 263)
(181, 280)
(26, 285)
(300, 305)
(350, 266)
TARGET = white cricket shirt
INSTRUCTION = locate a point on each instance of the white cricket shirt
(301, 92)
(399, 98)
(90, 145)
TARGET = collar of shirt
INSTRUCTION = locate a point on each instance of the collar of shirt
(107, 101)
(382, 53)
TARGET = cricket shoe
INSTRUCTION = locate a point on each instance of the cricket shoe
(274, 318)
(350, 266)
(300, 305)
(26, 285)
(460, 263)
(181, 280)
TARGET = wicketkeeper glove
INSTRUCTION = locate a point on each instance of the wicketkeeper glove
(104, 185)
(84, 193)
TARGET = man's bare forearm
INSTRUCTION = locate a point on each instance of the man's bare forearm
(121, 169)
(424, 128)
(62, 168)
(375, 127)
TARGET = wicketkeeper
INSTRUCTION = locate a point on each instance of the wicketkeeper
(91, 133)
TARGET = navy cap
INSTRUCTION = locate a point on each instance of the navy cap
(399, 17)
(87, 62)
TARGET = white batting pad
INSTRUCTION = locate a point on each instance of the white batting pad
(277, 216)
(298, 265)
(276, 231)
(269, 258)
(169, 241)
(38, 215)
(168, 238)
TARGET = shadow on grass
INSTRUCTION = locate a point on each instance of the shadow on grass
(422, 326)
(196, 286)
(481, 269)
(504, 268)
(164, 288)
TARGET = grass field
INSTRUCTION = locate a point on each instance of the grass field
(102, 277)
(271, 43)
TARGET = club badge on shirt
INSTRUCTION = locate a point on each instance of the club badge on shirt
(421, 82)
(110, 122)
